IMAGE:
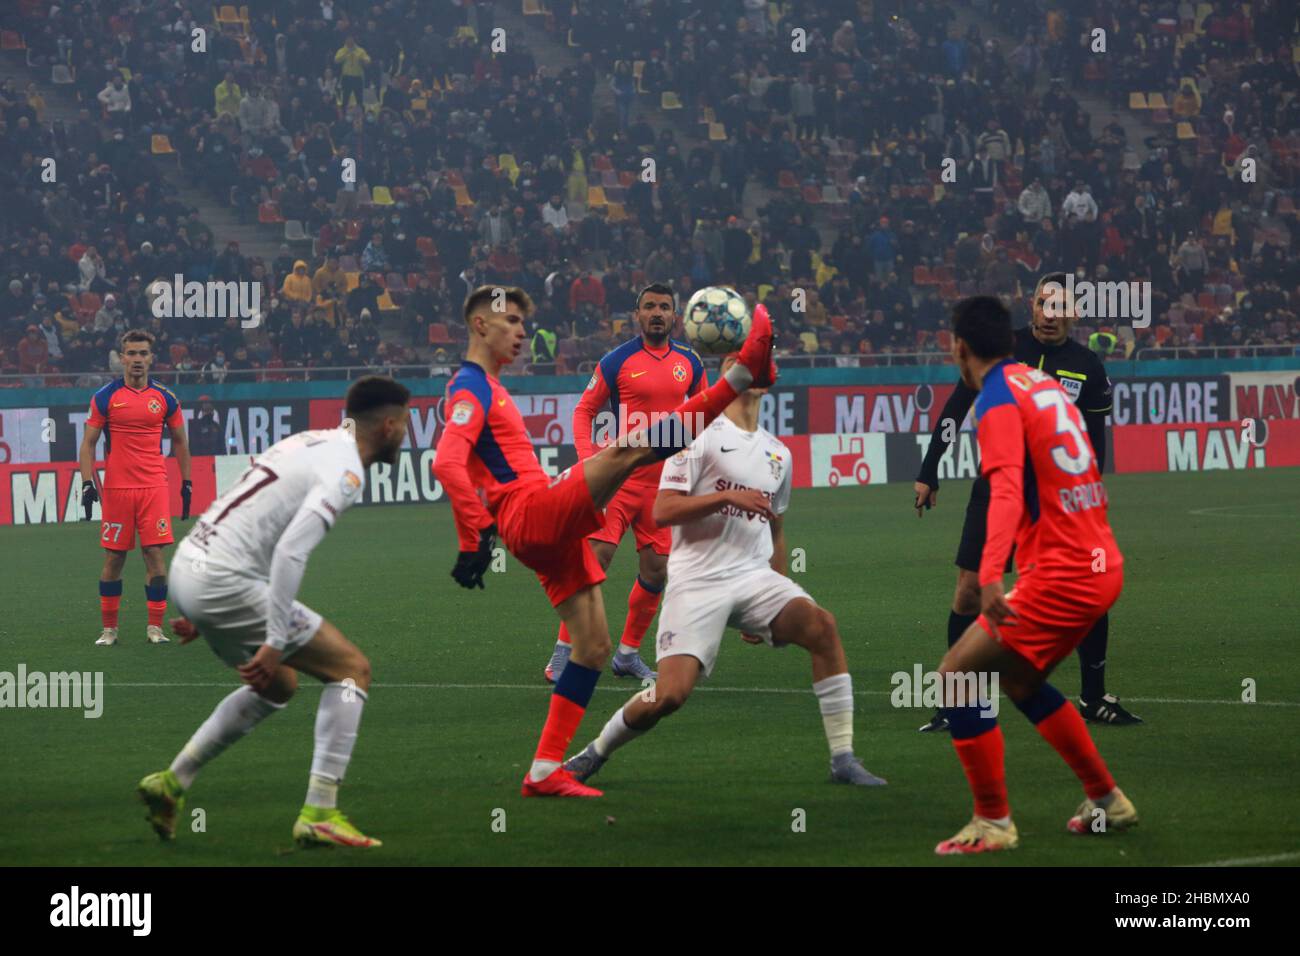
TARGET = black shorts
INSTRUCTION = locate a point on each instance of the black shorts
(974, 528)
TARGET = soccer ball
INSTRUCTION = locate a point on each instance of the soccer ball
(716, 320)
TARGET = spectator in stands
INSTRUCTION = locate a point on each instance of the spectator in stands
(227, 96)
(115, 98)
(352, 61)
(205, 429)
(297, 285)
(33, 352)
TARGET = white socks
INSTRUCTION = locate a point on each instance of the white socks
(615, 734)
(337, 720)
(541, 769)
(738, 377)
(322, 792)
(238, 713)
(835, 698)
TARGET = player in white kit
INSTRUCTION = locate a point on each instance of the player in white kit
(234, 580)
(725, 497)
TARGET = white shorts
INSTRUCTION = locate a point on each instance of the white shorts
(696, 613)
(230, 610)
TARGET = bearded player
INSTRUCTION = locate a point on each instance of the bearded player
(133, 411)
(545, 522)
(641, 380)
(235, 580)
(1047, 500)
(1045, 344)
(725, 499)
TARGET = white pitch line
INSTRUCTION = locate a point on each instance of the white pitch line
(1251, 860)
(630, 688)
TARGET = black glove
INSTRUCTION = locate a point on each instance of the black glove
(187, 492)
(471, 565)
(89, 495)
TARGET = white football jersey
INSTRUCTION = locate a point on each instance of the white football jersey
(318, 470)
(728, 541)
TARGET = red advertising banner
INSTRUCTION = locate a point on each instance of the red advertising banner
(1207, 446)
(875, 408)
(50, 493)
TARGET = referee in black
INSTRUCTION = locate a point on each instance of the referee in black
(1044, 344)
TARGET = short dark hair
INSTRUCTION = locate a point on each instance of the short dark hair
(485, 293)
(1057, 277)
(135, 335)
(984, 324)
(658, 288)
(371, 393)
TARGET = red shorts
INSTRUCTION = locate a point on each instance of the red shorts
(546, 527)
(633, 506)
(128, 510)
(1054, 615)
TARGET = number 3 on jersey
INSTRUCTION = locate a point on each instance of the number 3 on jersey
(1072, 464)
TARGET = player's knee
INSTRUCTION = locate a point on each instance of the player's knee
(966, 599)
(357, 669)
(826, 628)
(669, 700)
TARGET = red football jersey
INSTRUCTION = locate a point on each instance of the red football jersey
(485, 445)
(631, 385)
(133, 419)
(1047, 494)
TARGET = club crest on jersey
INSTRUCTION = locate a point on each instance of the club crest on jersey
(154, 406)
(1073, 387)
(679, 372)
(349, 483)
(162, 525)
(461, 413)
(775, 462)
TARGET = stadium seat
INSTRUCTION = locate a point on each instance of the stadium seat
(386, 303)
(293, 231)
(668, 100)
(269, 213)
(921, 275)
(600, 163)
(351, 280)
(1137, 101)
(812, 195)
(809, 342)
(831, 194)
(11, 40)
(61, 74)
(88, 303)
(717, 132)
(426, 246)
(596, 197)
(438, 334)
(462, 197)
(615, 212)
(1185, 131)
(380, 196)
(785, 179)
(420, 104)
(506, 162)
(1206, 300)
(839, 322)
(1156, 101)
(533, 8)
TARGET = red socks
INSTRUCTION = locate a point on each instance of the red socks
(982, 758)
(156, 611)
(108, 609)
(1069, 737)
(564, 634)
(642, 604)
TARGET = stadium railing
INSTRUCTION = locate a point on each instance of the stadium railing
(1215, 351)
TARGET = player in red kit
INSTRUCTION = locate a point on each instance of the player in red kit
(486, 462)
(641, 380)
(133, 411)
(1047, 500)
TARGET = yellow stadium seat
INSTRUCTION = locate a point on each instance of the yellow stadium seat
(420, 105)
(809, 340)
(351, 280)
(596, 196)
(616, 212)
(1185, 131)
(668, 100)
(462, 196)
(386, 303)
(1137, 101)
(1156, 101)
(532, 8)
(160, 145)
(717, 132)
(381, 196)
(466, 32)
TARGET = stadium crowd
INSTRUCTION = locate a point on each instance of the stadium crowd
(416, 163)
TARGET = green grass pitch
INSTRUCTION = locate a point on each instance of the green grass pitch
(1210, 600)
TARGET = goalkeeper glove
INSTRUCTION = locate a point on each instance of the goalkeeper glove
(187, 492)
(89, 495)
(471, 565)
